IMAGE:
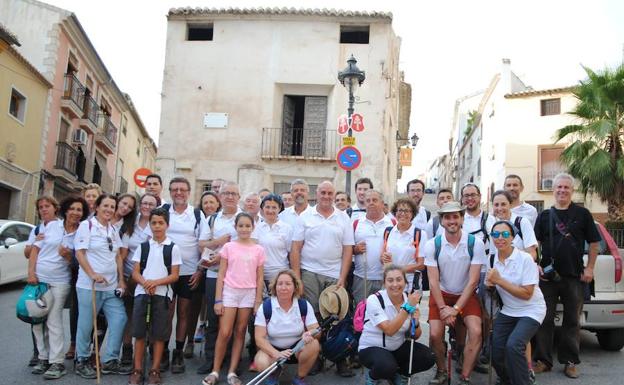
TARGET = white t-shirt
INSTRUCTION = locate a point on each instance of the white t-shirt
(429, 227)
(527, 211)
(454, 262)
(155, 267)
(473, 223)
(285, 327)
(420, 220)
(222, 225)
(185, 234)
(276, 240)
(357, 213)
(51, 267)
(372, 233)
(372, 335)
(289, 215)
(93, 237)
(528, 234)
(139, 235)
(323, 240)
(520, 269)
(401, 246)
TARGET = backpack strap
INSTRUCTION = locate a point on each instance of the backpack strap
(492, 256)
(267, 310)
(436, 225)
(471, 243)
(394, 221)
(303, 310)
(145, 249)
(517, 223)
(166, 206)
(386, 234)
(383, 307)
(198, 214)
(355, 223)
(428, 214)
(167, 251)
(437, 241)
(416, 241)
(37, 229)
(349, 211)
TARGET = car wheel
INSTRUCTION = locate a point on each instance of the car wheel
(611, 339)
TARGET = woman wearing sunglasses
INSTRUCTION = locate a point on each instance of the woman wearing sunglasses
(516, 278)
(97, 250)
(525, 235)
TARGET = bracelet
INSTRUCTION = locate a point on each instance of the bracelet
(408, 308)
(217, 301)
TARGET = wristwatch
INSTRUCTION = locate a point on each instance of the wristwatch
(458, 309)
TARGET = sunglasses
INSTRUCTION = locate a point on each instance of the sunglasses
(110, 243)
(497, 234)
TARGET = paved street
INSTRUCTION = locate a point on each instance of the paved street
(599, 367)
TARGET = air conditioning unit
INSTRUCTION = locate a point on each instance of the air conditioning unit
(547, 184)
(80, 137)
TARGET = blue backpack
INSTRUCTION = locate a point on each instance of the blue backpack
(34, 303)
(438, 247)
(341, 341)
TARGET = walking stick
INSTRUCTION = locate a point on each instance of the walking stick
(148, 320)
(411, 356)
(95, 336)
(491, 326)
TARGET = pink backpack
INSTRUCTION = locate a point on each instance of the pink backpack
(360, 313)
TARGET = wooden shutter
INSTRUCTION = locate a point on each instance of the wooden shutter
(314, 126)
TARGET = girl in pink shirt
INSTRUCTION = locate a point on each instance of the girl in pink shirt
(239, 292)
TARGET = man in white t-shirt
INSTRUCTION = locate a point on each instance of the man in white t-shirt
(369, 239)
(358, 210)
(433, 227)
(454, 263)
(513, 185)
(476, 221)
(416, 191)
(154, 186)
(299, 190)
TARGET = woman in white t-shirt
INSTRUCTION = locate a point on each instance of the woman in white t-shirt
(383, 347)
(97, 246)
(525, 235)
(516, 278)
(286, 325)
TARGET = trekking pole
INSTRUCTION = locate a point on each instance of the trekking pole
(449, 354)
(148, 321)
(95, 334)
(411, 356)
(491, 330)
(281, 361)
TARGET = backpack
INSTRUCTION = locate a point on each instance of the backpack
(428, 214)
(38, 230)
(517, 223)
(167, 250)
(438, 247)
(359, 317)
(196, 211)
(34, 303)
(417, 233)
(486, 237)
(267, 309)
(341, 341)
(211, 222)
(436, 225)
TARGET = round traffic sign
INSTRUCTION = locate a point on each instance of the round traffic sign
(140, 176)
(349, 158)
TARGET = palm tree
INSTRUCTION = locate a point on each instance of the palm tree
(595, 155)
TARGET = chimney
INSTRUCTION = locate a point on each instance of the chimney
(505, 76)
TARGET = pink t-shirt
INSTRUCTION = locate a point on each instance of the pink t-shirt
(243, 262)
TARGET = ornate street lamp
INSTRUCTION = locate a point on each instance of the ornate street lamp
(351, 78)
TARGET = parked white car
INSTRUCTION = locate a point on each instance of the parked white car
(13, 237)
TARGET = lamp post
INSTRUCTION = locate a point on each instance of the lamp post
(351, 78)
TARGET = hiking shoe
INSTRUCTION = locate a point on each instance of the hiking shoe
(34, 359)
(479, 367)
(463, 381)
(189, 350)
(153, 377)
(55, 371)
(205, 368)
(541, 367)
(368, 380)
(126, 355)
(199, 333)
(85, 370)
(164, 361)
(177, 362)
(136, 377)
(441, 378)
(114, 367)
(571, 370)
(41, 367)
(343, 369)
(400, 379)
(298, 381)
(532, 380)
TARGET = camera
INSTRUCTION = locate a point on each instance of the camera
(119, 292)
(551, 274)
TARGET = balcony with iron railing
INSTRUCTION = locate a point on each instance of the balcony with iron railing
(299, 144)
(66, 157)
(545, 179)
(106, 137)
(89, 119)
(73, 96)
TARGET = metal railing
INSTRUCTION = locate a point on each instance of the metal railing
(299, 143)
(66, 157)
(107, 129)
(73, 90)
(618, 237)
(90, 109)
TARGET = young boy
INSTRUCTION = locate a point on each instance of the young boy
(153, 278)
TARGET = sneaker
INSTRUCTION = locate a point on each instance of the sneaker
(541, 367)
(441, 378)
(164, 361)
(114, 367)
(34, 359)
(298, 381)
(253, 367)
(205, 368)
(199, 333)
(532, 380)
(369, 380)
(126, 355)
(463, 381)
(189, 350)
(400, 379)
(571, 370)
(343, 369)
(480, 367)
(136, 377)
(55, 371)
(85, 370)
(177, 362)
(41, 367)
(153, 377)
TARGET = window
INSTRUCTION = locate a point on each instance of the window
(17, 105)
(63, 131)
(138, 151)
(550, 106)
(199, 32)
(549, 166)
(304, 126)
(124, 125)
(539, 205)
(354, 34)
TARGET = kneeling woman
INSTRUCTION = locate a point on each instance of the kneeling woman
(384, 348)
(280, 326)
(516, 278)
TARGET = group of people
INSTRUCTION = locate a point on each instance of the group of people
(261, 264)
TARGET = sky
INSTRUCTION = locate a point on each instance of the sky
(449, 48)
